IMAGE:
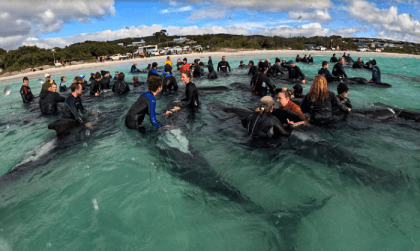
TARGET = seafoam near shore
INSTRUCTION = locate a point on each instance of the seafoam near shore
(215, 55)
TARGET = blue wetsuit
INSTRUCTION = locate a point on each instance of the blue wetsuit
(146, 104)
(152, 72)
(376, 74)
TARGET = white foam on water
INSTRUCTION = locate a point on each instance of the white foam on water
(95, 204)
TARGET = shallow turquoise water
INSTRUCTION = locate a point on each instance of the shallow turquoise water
(116, 189)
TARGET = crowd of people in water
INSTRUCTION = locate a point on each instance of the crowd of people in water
(318, 107)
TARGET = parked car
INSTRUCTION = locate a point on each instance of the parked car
(378, 50)
(361, 49)
(321, 48)
(118, 57)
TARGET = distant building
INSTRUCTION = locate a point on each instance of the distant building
(121, 44)
(140, 43)
(191, 42)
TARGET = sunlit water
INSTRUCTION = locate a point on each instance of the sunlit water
(115, 189)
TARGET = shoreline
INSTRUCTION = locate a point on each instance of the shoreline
(228, 52)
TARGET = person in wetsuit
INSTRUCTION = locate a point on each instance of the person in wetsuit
(73, 104)
(338, 70)
(261, 81)
(169, 82)
(376, 73)
(283, 63)
(120, 86)
(95, 86)
(178, 64)
(191, 93)
(116, 75)
(133, 68)
(105, 81)
(326, 73)
(262, 124)
(25, 91)
(197, 73)
(136, 81)
(304, 59)
(310, 59)
(319, 102)
(223, 65)
(145, 105)
(343, 91)
(359, 64)
(92, 77)
(153, 71)
(297, 91)
(62, 87)
(294, 71)
(48, 100)
(241, 64)
(368, 64)
(298, 59)
(252, 68)
(333, 59)
(276, 69)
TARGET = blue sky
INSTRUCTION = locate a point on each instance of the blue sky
(51, 23)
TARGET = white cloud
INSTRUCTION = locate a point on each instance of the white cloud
(211, 13)
(312, 29)
(32, 18)
(182, 9)
(316, 15)
(387, 22)
(347, 32)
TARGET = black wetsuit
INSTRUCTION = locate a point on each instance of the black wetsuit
(169, 83)
(344, 101)
(191, 96)
(152, 72)
(368, 65)
(197, 72)
(321, 112)
(326, 73)
(304, 59)
(241, 66)
(71, 107)
(120, 87)
(85, 85)
(133, 68)
(63, 88)
(48, 102)
(358, 65)
(275, 69)
(264, 127)
(105, 83)
(311, 60)
(338, 71)
(295, 72)
(26, 93)
(261, 83)
(223, 65)
(253, 70)
(333, 60)
(283, 65)
(298, 59)
(212, 73)
(95, 87)
(179, 65)
(146, 104)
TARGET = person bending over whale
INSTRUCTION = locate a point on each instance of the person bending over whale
(376, 73)
(153, 71)
(261, 81)
(134, 68)
(95, 86)
(319, 102)
(252, 68)
(359, 64)
(120, 86)
(146, 104)
(223, 65)
(212, 73)
(169, 81)
(263, 124)
(276, 69)
(191, 92)
(333, 59)
(338, 70)
(294, 71)
(368, 64)
(326, 73)
(343, 91)
(241, 64)
(73, 104)
(197, 73)
(304, 59)
(25, 91)
(48, 100)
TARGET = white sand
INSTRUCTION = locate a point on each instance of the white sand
(216, 56)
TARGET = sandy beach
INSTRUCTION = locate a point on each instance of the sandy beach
(215, 55)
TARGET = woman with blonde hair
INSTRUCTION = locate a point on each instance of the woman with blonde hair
(319, 102)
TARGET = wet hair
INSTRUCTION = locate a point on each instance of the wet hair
(75, 86)
(297, 90)
(25, 79)
(92, 74)
(342, 58)
(241, 62)
(187, 73)
(98, 75)
(319, 89)
(324, 63)
(251, 62)
(121, 76)
(201, 64)
(78, 79)
(155, 83)
(53, 83)
(135, 79)
(62, 78)
(154, 64)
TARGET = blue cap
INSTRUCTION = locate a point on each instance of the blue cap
(82, 76)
